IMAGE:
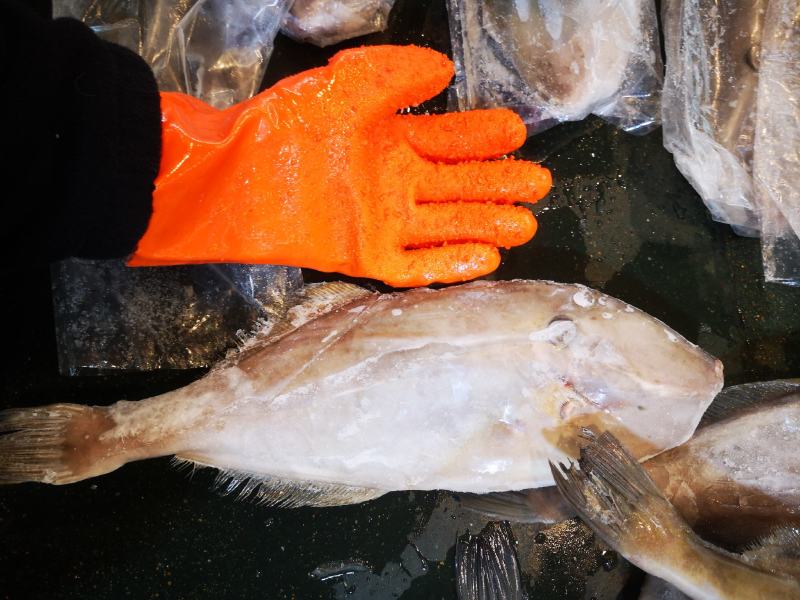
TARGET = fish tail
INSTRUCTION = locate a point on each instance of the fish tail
(59, 443)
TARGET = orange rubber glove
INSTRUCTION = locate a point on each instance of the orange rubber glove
(320, 171)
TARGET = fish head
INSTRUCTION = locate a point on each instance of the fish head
(622, 370)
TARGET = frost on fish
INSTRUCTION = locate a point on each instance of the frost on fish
(742, 468)
(470, 388)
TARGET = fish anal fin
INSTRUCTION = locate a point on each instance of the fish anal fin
(778, 552)
(537, 505)
(285, 493)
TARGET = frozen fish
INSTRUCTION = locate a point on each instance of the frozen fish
(554, 61)
(613, 493)
(735, 480)
(709, 101)
(326, 22)
(739, 476)
(468, 388)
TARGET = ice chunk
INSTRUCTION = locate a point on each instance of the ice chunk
(326, 22)
(553, 61)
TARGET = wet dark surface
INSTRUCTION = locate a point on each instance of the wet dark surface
(620, 218)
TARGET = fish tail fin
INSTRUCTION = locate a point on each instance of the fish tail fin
(487, 566)
(615, 496)
(59, 443)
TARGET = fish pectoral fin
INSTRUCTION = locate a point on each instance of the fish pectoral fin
(282, 492)
(778, 552)
(487, 566)
(537, 505)
(615, 496)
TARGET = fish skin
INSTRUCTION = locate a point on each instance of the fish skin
(743, 471)
(469, 388)
(614, 495)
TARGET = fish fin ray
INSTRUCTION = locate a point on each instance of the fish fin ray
(284, 493)
(313, 301)
(537, 505)
(777, 552)
(486, 565)
(611, 488)
(54, 444)
(737, 399)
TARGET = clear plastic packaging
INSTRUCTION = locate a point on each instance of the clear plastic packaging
(731, 108)
(216, 50)
(109, 316)
(327, 22)
(776, 156)
(553, 61)
(709, 101)
(112, 317)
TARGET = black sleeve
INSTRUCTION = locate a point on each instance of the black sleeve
(82, 131)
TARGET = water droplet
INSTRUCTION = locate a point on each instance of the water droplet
(608, 559)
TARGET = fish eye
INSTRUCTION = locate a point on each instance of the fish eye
(559, 318)
(562, 331)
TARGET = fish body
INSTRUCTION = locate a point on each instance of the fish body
(614, 495)
(737, 479)
(469, 388)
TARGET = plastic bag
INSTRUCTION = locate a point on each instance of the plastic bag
(109, 316)
(709, 101)
(776, 156)
(112, 317)
(216, 50)
(326, 22)
(553, 61)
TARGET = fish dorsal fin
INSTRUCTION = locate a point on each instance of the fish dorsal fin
(738, 399)
(321, 298)
(487, 566)
(778, 552)
(538, 505)
(314, 300)
(282, 492)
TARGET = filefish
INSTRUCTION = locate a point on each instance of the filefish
(734, 481)
(614, 495)
(468, 388)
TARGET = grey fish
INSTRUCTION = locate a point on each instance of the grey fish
(469, 388)
(614, 495)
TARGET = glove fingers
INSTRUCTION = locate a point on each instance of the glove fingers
(501, 181)
(503, 226)
(457, 137)
(388, 78)
(444, 264)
